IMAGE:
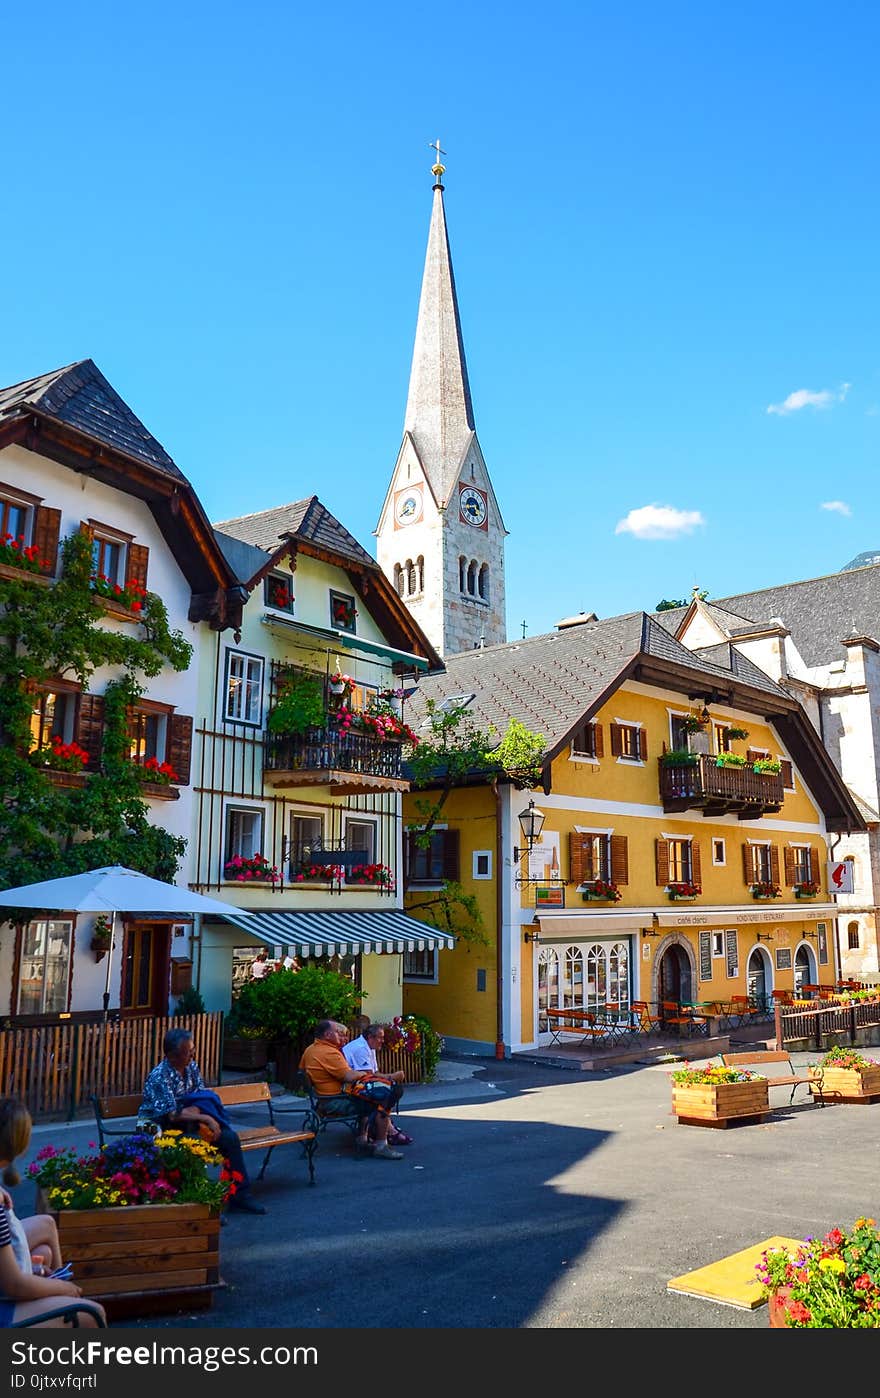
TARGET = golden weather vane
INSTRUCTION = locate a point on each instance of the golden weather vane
(437, 169)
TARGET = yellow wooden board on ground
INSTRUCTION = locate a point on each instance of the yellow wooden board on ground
(732, 1281)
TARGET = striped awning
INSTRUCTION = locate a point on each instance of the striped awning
(332, 934)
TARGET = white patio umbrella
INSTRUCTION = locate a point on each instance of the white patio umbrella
(113, 890)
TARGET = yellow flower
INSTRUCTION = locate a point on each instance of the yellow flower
(832, 1264)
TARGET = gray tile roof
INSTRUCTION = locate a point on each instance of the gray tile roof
(306, 520)
(547, 682)
(80, 396)
(245, 560)
(868, 814)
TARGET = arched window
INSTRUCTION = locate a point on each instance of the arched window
(852, 936)
(483, 584)
(420, 570)
(410, 578)
(398, 579)
(472, 578)
(462, 573)
(618, 979)
(548, 986)
(573, 979)
(597, 979)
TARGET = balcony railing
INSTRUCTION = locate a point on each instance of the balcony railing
(718, 790)
(349, 762)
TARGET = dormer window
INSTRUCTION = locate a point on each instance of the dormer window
(278, 592)
(343, 614)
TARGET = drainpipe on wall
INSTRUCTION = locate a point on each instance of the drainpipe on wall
(838, 964)
(499, 924)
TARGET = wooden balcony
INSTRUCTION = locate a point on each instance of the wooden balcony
(720, 790)
(347, 762)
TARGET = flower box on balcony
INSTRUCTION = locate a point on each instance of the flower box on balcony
(806, 890)
(764, 892)
(683, 892)
(600, 891)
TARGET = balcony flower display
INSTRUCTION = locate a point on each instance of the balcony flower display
(101, 936)
(319, 872)
(766, 766)
(679, 757)
(695, 723)
(403, 1035)
(388, 727)
(604, 890)
(60, 756)
(132, 596)
(256, 869)
(764, 889)
(683, 888)
(730, 759)
(160, 773)
(370, 875)
(740, 733)
(807, 888)
(340, 684)
(830, 1283)
(137, 1169)
(16, 554)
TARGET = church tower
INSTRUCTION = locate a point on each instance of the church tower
(440, 534)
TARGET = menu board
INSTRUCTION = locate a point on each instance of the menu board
(732, 954)
(705, 956)
(822, 935)
(783, 958)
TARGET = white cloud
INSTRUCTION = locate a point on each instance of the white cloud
(659, 522)
(805, 398)
(838, 507)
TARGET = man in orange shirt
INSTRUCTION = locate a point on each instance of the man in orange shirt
(325, 1064)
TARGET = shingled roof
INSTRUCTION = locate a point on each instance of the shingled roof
(81, 397)
(304, 520)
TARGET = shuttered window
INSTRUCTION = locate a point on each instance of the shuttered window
(677, 861)
(787, 771)
(179, 746)
(47, 530)
(587, 741)
(90, 728)
(629, 741)
(439, 862)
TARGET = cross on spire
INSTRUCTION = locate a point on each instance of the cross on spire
(437, 169)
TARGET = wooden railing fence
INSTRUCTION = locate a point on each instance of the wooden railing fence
(798, 1022)
(55, 1068)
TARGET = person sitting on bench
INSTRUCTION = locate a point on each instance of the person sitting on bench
(363, 1052)
(168, 1094)
(331, 1075)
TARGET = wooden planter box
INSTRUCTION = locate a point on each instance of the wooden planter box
(146, 1259)
(851, 1084)
(245, 1055)
(719, 1104)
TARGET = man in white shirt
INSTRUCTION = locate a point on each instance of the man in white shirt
(260, 966)
(362, 1053)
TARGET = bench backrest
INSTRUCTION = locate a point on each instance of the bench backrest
(236, 1094)
(761, 1060)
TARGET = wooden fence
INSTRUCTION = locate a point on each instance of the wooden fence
(55, 1068)
(825, 1021)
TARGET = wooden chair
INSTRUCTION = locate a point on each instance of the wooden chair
(783, 997)
(742, 1009)
(643, 1021)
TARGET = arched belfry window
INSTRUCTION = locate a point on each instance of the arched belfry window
(420, 573)
(472, 578)
(483, 582)
(410, 577)
(462, 573)
(398, 579)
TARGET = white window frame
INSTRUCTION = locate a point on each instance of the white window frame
(431, 979)
(719, 863)
(62, 922)
(678, 714)
(477, 855)
(373, 826)
(236, 808)
(20, 500)
(682, 840)
(248, 657)
(625, 757)
(277, 575)
(797, 847)
(577, 754)
(301, 813)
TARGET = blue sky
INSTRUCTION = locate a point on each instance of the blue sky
(663, 222)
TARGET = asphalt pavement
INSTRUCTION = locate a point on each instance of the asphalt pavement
(534, 1198)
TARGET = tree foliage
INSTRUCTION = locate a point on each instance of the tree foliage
(288, 1004)
(46, 634)
(669, 604)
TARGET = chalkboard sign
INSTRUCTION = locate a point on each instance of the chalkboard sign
(705, 956)
(732, 954)
(822, 934)
(783, 958)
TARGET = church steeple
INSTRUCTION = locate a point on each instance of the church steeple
(440, 534)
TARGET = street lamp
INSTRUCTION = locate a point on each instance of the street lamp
(531, 823)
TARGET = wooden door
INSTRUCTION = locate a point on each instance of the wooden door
(145, 968)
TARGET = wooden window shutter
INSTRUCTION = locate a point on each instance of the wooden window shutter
(748, 864)
(47, 530)
(752, 755)
(179, 746)
(577, 856)
(86, 529)
(619, 859)
(787, 773)
(643, 744)
(90, 728)
(616, 744)
(451, 842)
(788, 861)
(138, 561)
(662, 847)
(815, 866)
(696, 863)
(774, 864)
(598, 741)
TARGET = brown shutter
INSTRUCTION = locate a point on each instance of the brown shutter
(86, 529)
(451, 870)
(577, 856)
(619, 859)
(138, 561)
(643, 744)
(787, 773)
(662, 847)
(178, 748)
(696, 863)
(47, 529)
(748, 864)
(774, 864)
(90, 727)
(598, 741)
(815, 866)
(788, 862)
(616, 745)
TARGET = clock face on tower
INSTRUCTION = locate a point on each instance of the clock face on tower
(407, 507)
(472, 506)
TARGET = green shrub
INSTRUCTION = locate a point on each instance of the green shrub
(190, 1002)
(288, 1004)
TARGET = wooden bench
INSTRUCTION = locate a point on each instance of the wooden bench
(763, 1058)
(268, 1136)
(580, 1022)
(340, 1106)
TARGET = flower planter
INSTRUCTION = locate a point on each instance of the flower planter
(719, 1104)
(160, 791)
(245, 1055)
(777, 1309)
(799, 894)
(598, 898)
(851, 1084)
(142, 1259)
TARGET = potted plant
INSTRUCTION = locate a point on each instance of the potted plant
(16, 554)
(60, 756)
(730, 759)
(156, 773)
(848, 1076)
(299, 704)
(679, 757)
(695, 723)
(830, 1283)
(245, 1046)
(101, 936)
(681, 890)
(600, 891)
(738, 733)
(764, 889)
(767, 766)
(339, 684)
(132, 596)
(140, 1199)
(715, 1095)
(289, 1006)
